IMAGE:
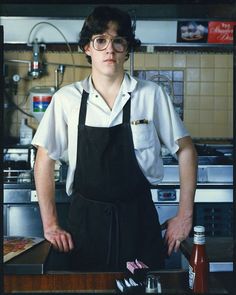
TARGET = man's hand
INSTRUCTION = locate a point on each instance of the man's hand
(177, 230)
(60, 239)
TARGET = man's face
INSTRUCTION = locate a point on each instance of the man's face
(107, 52)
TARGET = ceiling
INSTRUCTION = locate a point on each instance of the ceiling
(162, 9)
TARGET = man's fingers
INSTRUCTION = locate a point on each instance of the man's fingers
(66, 242)
(61, 240)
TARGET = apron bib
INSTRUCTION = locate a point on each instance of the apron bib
(112, 217)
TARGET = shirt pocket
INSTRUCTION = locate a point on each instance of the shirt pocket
(143, 135)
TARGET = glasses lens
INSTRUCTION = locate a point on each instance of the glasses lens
(119, 44)
(100, 43)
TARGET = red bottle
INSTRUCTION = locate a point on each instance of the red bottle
(199, 264)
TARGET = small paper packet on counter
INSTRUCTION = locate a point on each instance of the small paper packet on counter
(138, 269)
(137, 265)
(130, 286)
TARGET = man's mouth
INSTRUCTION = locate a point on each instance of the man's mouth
(110, 60)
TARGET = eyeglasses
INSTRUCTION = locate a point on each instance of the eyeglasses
(101, 42)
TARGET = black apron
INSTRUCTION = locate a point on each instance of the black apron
(112, 217)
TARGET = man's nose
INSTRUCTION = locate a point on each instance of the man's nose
(110, 46)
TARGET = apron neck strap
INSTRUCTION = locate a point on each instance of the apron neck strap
(126, 110)
(83, 109)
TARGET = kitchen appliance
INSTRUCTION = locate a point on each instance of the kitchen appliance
(20, 206)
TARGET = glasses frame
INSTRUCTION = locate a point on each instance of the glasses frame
(111, 39)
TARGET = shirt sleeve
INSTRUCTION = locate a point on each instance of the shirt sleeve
(51, 133)
(169, 126)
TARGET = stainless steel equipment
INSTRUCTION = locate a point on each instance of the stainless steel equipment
(20, 209)
(214, 194)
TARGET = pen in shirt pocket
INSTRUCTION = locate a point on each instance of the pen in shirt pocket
(137, 122)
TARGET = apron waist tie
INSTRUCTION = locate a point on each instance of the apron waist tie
(114, 223)
(113, 211)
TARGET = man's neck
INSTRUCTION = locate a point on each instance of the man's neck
(108, 87)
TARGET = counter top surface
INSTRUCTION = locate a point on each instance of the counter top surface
(172, 282)
(27, 273)
(219, 249)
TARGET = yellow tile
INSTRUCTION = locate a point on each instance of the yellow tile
(191, 116)
(81, 74)
(230, 88)
(206, 116)
(22, 70)
(139, 60)
(165, 60)
(230, 61)
(206, 102)
(230, 103)
(66, 58)
(221, 88)
(221, 60)
(151, 60)
(52, 57)
(9, 54)
(206, 130)
(192, 88)
(192, 74)
(80, 58)
(221, 130)
(220, 117)
(230, 131)
(230, 75)
(26, 55)
(221, 103)
(193, 60)
(207, 60)
(231, 117)
(191, 102)
(69, 75)
(221, 75)
(207, 88)
(193, 129)
(179, 60)
(207, 75)
(23, 87)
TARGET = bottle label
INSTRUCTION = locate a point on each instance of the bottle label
(191, 277)
(199, 239)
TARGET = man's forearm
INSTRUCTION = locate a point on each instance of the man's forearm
(188, 176)
(45, 187)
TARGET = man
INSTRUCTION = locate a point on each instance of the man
(112, 126)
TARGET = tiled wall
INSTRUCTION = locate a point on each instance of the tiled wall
(208, 86)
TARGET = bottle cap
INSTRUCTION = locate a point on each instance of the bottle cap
(199, 229)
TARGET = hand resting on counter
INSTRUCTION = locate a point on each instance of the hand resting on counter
(60, 239)
(177, 230)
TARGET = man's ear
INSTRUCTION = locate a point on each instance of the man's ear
(87, 49)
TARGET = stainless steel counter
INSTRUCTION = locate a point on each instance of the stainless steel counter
(219, 251)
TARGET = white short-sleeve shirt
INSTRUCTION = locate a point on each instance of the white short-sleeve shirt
(58, 129)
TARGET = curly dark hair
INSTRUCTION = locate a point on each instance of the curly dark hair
(97, 23)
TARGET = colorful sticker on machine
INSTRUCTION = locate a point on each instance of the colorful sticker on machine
(40, 103)
(221, 32)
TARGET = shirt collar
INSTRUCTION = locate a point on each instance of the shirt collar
(128, 85)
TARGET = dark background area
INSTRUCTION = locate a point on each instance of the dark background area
(162, 9)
